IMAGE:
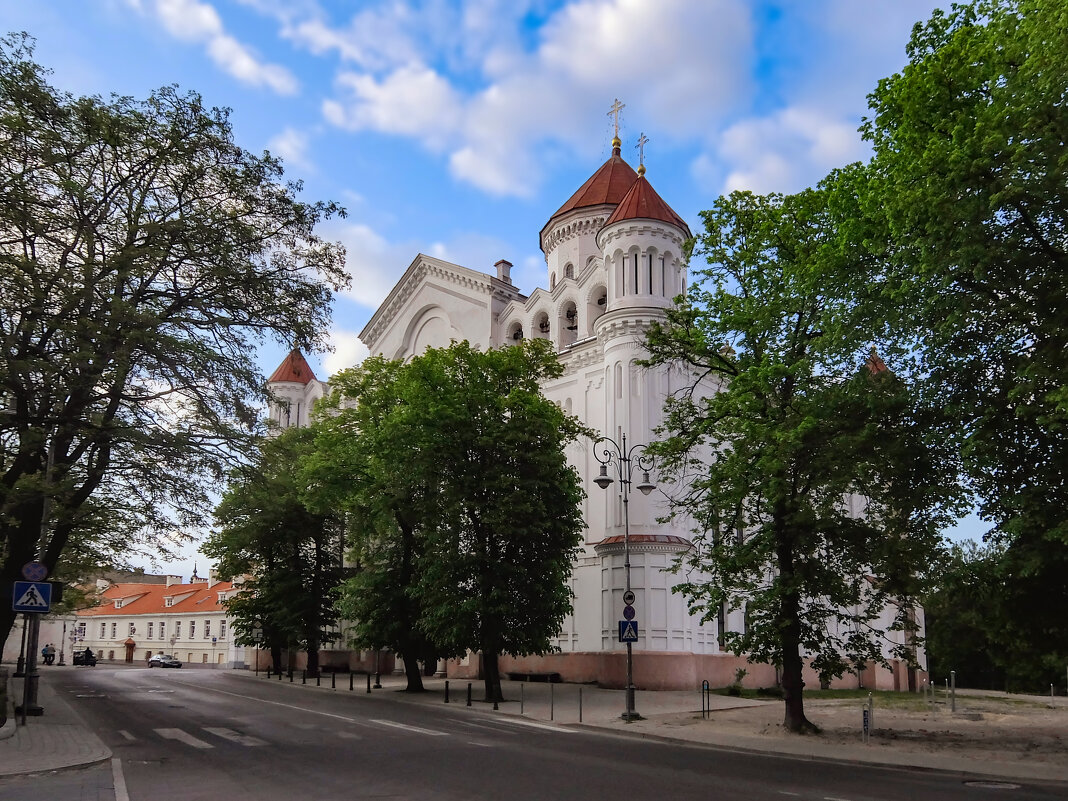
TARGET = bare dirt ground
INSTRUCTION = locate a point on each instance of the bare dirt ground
(993, 727)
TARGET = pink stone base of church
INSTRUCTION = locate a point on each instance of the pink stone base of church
(667, 670)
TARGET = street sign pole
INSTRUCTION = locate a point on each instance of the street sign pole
(29, 595)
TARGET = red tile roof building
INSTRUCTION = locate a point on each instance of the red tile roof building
(134, 621)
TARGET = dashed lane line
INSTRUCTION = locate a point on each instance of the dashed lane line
(406, 727)
(234, 736)
(182, 737)
(127, 735)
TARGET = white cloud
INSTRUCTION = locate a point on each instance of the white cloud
(291, 146)
(660, 57)
(412, 101)
(787, 150)
(349, 351)
(195, 21)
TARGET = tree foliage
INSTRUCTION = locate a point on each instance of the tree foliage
(814, 493)
(143, 254)
(286, 557)
(971, 175)
(464, 506)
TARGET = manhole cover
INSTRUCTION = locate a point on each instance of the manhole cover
(993, 785)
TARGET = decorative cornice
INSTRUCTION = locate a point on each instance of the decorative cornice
(643, 543)
(633, 228)
(423, 268)
(576, 224)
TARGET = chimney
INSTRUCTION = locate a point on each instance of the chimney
(504, 271)
(213, 579)
(171, 579)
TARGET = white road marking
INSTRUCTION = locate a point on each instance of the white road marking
(481, 745)
(494, 729)
(118, 780)
(235, 737)
(356, 721)
(833, 798)
(535, 725)
(784, 792)
(127, 735)
(182, 737)
(348, 735)
(416, 729)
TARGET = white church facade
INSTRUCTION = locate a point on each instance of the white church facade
(614, 254)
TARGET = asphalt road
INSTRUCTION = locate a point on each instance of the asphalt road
(192, 735)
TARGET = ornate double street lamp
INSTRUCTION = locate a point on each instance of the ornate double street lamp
(623, 461)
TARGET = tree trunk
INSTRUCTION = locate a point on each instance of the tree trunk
(412, 673)
(789, 623)
(276, 658)
(492, 674)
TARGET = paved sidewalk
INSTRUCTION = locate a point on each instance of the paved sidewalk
(59, 738)
(55, 740)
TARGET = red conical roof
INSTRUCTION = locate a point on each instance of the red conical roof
(293, 368)
(643, 203)
(608, 185)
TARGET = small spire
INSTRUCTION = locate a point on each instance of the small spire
(194, 577)
(643, 140)
(614, 112)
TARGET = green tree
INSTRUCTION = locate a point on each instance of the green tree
(814, 495)
(143, 255)
(970, 173)
(286, 556)
(507, 519)
(465, 508)
(962, 611)
(373, 462)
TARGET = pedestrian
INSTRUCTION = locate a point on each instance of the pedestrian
(51, 653)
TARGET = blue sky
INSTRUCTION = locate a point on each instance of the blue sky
(456, 128)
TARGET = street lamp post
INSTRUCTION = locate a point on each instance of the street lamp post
(623, 461)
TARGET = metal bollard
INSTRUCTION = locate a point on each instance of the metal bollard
(304, 677)
(522, 698)
(706, 700)
(350, 681)
(279, 675)
(318, 679)
(268, 671)
(446, 691)
(552, 701)
(290, 676)
(333, 680)
(953, 697)
(469, 693)
(580, 704)
(378, 680)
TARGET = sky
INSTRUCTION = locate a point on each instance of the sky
(456, 128)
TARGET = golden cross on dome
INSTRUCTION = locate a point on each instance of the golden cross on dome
(616, 108)
(643, 140)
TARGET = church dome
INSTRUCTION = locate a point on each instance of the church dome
(643, 203)
(608, 186)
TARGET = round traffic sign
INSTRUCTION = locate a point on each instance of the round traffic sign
(628, 597)
(34, 571)
(628, 612)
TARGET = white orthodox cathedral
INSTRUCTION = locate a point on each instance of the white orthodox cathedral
(614, 259)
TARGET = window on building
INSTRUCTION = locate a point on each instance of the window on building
(103, 628)
(81, 630)
(131, 629)
(207, 629)
(150, 630)
(178, 629)
(222, 629)
(569, 271)
(161, 634)
(192, 629)
(204, 658)
(114, 631)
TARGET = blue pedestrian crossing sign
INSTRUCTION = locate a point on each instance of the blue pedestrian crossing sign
(31, 596)
(628, 631)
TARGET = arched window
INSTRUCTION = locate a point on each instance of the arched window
(569, 270)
